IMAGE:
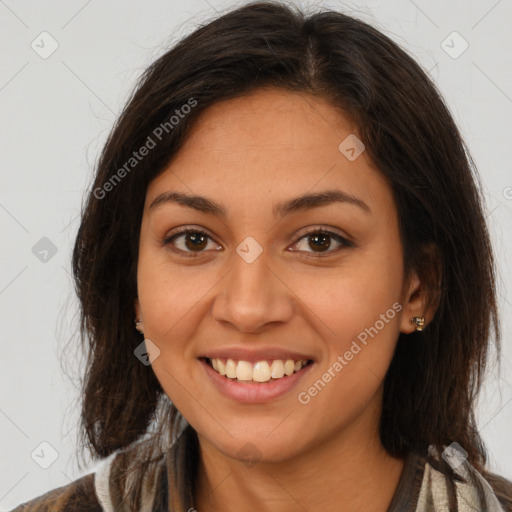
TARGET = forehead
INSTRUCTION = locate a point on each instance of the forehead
(270, 119)
(269, 144)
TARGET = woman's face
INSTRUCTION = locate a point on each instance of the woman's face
(265, 279)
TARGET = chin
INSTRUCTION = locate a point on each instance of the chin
(253, 447)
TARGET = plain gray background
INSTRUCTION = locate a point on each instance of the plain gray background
(56, 113)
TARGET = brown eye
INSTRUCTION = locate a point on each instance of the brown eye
(189, 241)
(195, 241)
(320, 241)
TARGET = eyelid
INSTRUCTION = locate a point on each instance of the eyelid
(184, 229)
(323, 229)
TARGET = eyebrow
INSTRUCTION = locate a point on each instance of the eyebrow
(304, 202)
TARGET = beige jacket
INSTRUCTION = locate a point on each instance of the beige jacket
(110, 488)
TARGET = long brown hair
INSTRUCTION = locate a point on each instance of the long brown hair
(434, 378)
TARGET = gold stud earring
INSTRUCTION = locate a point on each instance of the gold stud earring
(419, 321)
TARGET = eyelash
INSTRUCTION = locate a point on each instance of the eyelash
(315, 231)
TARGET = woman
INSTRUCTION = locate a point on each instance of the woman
(287, 211)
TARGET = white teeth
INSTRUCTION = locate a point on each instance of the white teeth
(244, 370)
(261, 371)
(231, 369)
(277, 369)
(289, 367)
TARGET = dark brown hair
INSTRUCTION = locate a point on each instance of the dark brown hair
(435, 375)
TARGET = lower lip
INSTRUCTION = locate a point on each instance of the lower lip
(254, 392)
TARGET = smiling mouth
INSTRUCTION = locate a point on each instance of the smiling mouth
(261, 371)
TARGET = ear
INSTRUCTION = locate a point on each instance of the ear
(422, 291)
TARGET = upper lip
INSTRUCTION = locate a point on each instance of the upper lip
(254, 355)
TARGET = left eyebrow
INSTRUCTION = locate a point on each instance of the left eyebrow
(304, 202)
(324, 198)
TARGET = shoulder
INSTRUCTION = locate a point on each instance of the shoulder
(89, 493)
(473, 491)
(117, 479)
(78, 495)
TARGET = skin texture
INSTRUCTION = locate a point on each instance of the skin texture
(249, 154)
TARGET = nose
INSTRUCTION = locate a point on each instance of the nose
(252, 296)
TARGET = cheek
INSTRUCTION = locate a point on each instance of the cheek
(359, 350)
(167, 294)
(356, 307)
(351, 297)
(170, 301)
